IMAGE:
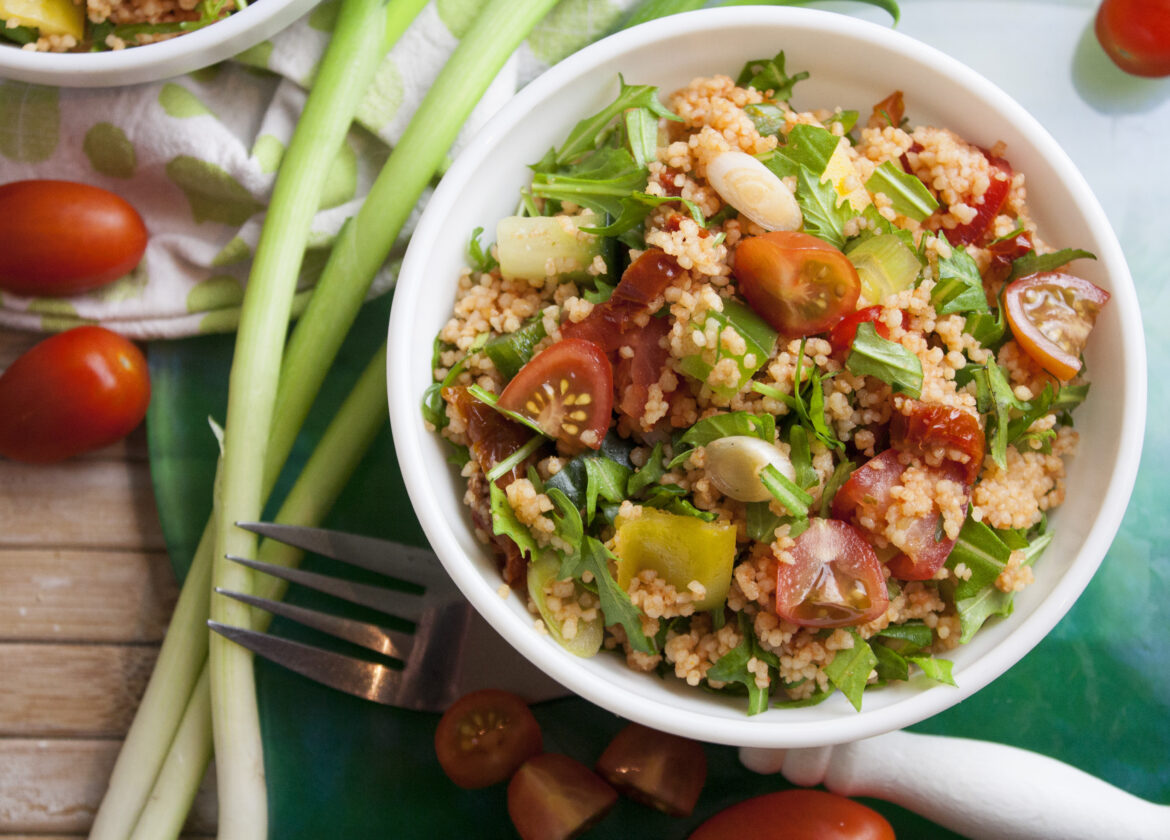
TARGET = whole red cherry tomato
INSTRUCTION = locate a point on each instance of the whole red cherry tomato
(61, 238)
(1136, 35)
(75, 391)
(797, 814)
(484, 736)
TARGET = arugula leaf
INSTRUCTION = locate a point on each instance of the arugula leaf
(809, 146)
(759, 344)
(891, 665)
(574, 480)
(959, 287)
(511, 351)
(761, 522)
(569, 526)
(980, 549)
(810, 412)
(995, 398)
(717, 426)
(491, 400)
(599, 183)
(840, 475)
(650, 472)
(635, 207)
(987, 328)
(588, 134)
(732, 667)
(907, 194)
(785, 491)
(938, 670)
(480, 258)
(766, 74)
(505, 523)
(818, 203)
(641, 127)
(766, 117)
(910, 637)
(872, 355)
(1031, 262)
(20, 34)
(801, 456)
(849, 671)
(605, 478)
(434, 409)
(615, 602)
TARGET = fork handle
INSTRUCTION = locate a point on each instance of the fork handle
(977, 788)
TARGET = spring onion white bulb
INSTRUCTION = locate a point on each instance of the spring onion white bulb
(734, 464)
(754, 190)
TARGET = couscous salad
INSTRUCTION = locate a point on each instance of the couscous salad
(94, 25)
(773, 401)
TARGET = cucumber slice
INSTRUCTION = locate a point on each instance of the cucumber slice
(535, 248)
(885, 265)
(587, 640)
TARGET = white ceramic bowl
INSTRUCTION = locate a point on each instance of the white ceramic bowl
(853, 64)
(259, 20)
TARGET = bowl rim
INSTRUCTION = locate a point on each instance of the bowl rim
(408, 428)
(241, 30)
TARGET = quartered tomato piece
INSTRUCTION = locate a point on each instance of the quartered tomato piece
(846, 330)
(798, 814)
(484, 736)
(664, 771)
(796, 282)
(1051, 315)
(835, 580)
(889, 111)
(567, 390)
(922, 427)
(555, 797)
(867, 496)
(609, 322)
(975, 231)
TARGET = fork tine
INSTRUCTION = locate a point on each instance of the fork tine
(408, 605)
(370, 636)
(397, 560)
(369, 680)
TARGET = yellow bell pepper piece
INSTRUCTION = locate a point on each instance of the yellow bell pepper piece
(49, 17)
(680, 549)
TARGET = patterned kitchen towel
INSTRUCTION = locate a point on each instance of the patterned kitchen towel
(197, 156)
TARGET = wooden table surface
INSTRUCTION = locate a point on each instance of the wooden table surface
(86, 591)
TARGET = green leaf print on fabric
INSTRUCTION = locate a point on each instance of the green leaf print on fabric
(234, 252)
(256, 56)
(30, 121)
(458, 15)
(341, 184)
(180, 103)
(226, 320)
(206, 74)
(127, 287)
(52, 306)
(217, 292)
(214, 195)
(268, 151)
(571, 25)
(384, 97)
(110, 151)
(324, 16)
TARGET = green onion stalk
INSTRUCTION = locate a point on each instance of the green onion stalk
(364, 31)
(337, 454)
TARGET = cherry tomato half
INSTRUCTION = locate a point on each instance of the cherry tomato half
(567, 390)
(1051, 315)
(799, 284)
(1136, 35)
(992, 201)
(61, 238)
(664, 771)
(484, 736)
(797, 814)
(609, 322)
(554, 797)
(75, 391)
(835, 580)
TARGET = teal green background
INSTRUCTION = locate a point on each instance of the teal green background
(1095, 693)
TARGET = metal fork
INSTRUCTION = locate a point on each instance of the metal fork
(450, 651)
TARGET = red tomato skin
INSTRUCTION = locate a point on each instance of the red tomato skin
(642, 282)
(62, 238)
(634, 374)
(572, 367)
(1135, 34)
(841, 337)
(555, 797)
(771, 271)
(666, 772)
(975, 231)
(484, 737)
(1062, 362)
(930, 425)
(74, 392)
(798, 814)
(830, 547)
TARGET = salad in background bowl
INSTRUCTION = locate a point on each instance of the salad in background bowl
(853, 65)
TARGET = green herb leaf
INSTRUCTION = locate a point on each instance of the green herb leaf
(588, 134)
(907, 194)
(505, 523)
(635, 207)
(808, 146)
(818, 202)
(938, 670)
(850, 669)
(1032, 263)
(511, 351)
(801, 456)
(650, 472)
(732, 667)
(872, 355)
(615, 602)
(840, 475)
(490, 399)
(606, 479)
(769, 74)
(767, 118)
(785, 491)
(599, 183)
(761, 522)
(480, 258)
(718, 426)
(959, 287)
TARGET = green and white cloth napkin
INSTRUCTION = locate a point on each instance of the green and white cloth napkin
(197, 156)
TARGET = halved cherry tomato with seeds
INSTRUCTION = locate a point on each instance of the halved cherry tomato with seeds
(799, 814)
(555, 797)
(799, 284)
(835, 578)
(664, 771)
(567, 390)
(1051, 315)
(484, 736)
